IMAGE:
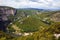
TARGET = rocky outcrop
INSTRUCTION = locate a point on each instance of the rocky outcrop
(5, 12)
(56, 17)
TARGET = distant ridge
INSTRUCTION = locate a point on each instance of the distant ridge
(33, 9)
(39, 9)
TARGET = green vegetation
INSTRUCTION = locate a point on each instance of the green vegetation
(35, 22)
(29, 24)
(55, 28)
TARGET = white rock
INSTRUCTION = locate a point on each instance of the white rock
(10, 23)
(26, 34)
(57, 35)
(28, 15)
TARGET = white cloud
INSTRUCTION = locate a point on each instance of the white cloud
(31, 4)
(57, 4)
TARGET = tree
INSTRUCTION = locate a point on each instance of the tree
(29, 24)
(55, 28)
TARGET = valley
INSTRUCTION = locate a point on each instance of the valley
(33, 25)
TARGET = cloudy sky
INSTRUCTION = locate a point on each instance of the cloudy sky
(46, 4)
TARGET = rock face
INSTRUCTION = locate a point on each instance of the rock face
(5, 12)
(56, 17)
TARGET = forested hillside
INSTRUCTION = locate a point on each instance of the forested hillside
(32, 25)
